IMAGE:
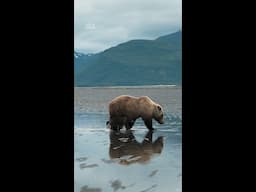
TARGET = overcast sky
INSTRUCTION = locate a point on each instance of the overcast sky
(101, 24)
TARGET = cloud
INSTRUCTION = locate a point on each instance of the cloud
(100, 24)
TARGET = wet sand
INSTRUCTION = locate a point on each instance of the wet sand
(136, 160)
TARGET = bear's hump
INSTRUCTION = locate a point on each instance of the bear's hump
(122, 99)
(146, 99)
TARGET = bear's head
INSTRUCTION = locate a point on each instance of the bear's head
(158, 114)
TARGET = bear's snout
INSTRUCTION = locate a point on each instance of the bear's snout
(161, 121)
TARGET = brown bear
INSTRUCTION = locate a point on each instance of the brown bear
(125, 109)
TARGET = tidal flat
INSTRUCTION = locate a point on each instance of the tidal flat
(137, 160)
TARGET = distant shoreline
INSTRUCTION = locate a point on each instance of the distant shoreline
(131, 86)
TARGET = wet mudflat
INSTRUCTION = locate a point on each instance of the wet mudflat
(135, 160)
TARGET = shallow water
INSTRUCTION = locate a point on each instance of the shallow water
(135, 161)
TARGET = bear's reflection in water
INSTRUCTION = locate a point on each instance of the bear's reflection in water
(127, 150)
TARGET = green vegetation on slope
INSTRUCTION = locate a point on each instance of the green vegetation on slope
(136, 62)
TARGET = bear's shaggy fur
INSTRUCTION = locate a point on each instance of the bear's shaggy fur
(125, 109)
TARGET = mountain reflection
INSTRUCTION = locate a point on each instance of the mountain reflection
(127, 150)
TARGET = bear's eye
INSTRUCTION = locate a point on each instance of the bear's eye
(159, 108)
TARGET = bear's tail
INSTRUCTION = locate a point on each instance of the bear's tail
(108, 125)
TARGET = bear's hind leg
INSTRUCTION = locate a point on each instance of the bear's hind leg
(129, 124)
(114, 123)
(118, 122)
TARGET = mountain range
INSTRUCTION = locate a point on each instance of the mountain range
(136, 62)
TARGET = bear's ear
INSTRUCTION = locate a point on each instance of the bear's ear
(159, 108)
